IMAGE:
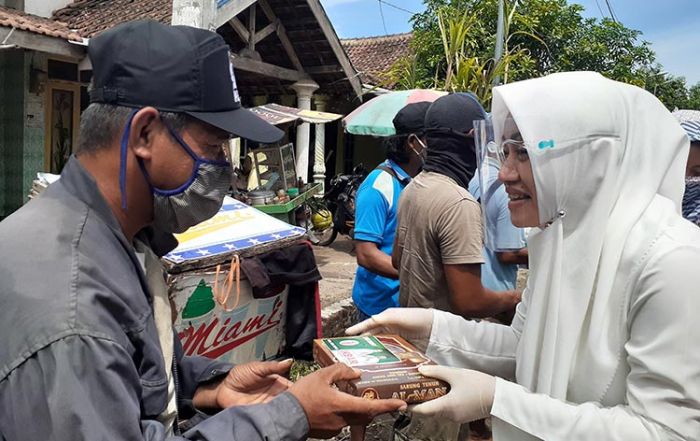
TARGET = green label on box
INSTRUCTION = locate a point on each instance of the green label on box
(360, 351)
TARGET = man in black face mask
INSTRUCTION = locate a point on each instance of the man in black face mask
(88, 350)
(439, 239)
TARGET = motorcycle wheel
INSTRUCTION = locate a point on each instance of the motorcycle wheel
(326, 236)
(323, 238)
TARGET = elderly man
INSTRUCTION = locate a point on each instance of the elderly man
(88, 349)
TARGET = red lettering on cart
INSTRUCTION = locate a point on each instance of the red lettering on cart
(253, 324)
(217, 339)
(205, 341)
(214, 353)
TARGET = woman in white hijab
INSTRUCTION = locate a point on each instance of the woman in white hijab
(606, 343)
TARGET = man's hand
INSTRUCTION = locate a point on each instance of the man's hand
(328, 410)
(413, 324)
(250, 383)
(506, 317)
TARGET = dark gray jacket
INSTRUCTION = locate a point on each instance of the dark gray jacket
(80, 357)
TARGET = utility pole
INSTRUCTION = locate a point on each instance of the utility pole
(197, 13)
(499, 39)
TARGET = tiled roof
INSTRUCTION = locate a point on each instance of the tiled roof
(374, 56)
(13, 18)
(89, 17)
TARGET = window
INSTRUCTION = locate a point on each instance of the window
(62, 70)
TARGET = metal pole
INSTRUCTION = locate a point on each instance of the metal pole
(498, 54)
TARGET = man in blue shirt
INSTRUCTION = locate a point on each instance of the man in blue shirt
(505, 246)
(376, 285)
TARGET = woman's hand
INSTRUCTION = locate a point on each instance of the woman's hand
(470, 397)
(413, 324)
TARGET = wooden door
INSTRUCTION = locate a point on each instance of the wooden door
(62, 123)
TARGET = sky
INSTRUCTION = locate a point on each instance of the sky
(671, 26)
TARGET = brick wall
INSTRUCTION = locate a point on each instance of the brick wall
(337, 317)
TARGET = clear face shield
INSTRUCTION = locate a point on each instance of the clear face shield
(488, 165)
(492, 195)
(500, 146)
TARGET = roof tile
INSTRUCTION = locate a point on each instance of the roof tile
(90, 17)
(374, 56)
(13, 18)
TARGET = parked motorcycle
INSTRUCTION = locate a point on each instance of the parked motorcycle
(335, 212)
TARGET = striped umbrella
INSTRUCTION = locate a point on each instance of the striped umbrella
(376, 115)
(690, 121)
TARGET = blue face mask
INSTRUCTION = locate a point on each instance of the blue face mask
(195, 201)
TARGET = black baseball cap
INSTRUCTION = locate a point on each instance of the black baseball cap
(174, 69)
(411, 118)
(456, 112)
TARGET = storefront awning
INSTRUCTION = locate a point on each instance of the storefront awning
(279, 114)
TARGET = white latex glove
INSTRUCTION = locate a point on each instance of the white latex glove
(470, 397)
(413, 324)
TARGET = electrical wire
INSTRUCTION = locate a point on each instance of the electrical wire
(397, 7)
(600, 9)
(612, 13)
(381, 12)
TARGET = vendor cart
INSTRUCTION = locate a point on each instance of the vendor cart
(287, 211)
(245, 287)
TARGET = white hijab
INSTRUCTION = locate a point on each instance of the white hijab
(605, 156)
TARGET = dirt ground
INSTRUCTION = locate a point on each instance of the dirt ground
(381, 430)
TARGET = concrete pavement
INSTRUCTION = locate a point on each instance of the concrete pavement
(337, 265)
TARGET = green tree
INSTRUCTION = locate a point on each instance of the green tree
(542, 29)
(542, 37)
(607, 47)
(463, 62)
(671, 90)
(694, 97)
(464, 72)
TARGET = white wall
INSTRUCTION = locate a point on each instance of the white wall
(197, 13)
(44, 8)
